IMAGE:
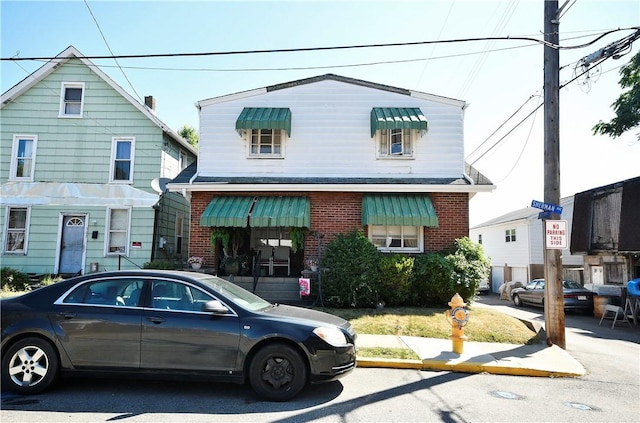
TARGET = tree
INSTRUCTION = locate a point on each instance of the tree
(190, 134)
(627, 106)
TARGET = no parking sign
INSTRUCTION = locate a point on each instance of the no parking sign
(556, 234)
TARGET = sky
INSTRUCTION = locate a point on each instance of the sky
(500, 80)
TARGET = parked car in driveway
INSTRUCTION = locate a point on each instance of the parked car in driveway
(169, 324)
(576, 297)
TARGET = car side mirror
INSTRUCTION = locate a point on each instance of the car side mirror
(215, 307)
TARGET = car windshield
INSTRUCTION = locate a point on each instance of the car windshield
(571, 285)
(237, 294)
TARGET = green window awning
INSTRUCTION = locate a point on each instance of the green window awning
(264, 118)
(227, 212)
(397, 118)
(281, 212)
(403, 210)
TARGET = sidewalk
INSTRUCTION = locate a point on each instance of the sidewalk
(477, 357)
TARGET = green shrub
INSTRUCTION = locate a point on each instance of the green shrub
(14, 280)
(351, 278)
(396, 272)
(432, 283)
(469, 265)
(162, 265)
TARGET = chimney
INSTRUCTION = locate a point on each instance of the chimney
(150, 102)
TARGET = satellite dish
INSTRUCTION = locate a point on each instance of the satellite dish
(159, 185)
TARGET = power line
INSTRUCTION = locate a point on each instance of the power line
(110, 51)
(306, 49)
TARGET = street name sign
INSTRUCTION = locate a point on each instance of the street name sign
(556, 235)
(553, 208)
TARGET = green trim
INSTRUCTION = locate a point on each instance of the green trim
(397, 118)
(227, 212)
(281, 212)
(403, 210)
(264, 118)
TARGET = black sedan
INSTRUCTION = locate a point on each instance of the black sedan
(576, 297)
(169, 324)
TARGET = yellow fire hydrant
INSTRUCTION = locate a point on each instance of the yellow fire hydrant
(458, 316)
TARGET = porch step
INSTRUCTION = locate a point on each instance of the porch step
(281, 290)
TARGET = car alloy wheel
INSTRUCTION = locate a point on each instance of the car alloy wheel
(516, 300)
(277, 372)
(30, 366)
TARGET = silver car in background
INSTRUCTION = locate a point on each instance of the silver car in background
(576, 297)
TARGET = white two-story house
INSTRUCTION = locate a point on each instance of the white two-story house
(327, 155)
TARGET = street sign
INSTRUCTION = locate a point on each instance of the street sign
(553, 208)
(556, 235)
(544, 215)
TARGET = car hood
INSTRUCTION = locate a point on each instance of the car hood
(308, 316)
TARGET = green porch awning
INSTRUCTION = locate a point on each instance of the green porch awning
(397, 118)
(281, 212)
(403, 210)
(227, 212)
(264, 118)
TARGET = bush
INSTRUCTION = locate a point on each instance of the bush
(14, 280)
(432, 280)
(396, 272)
(469, 265)
(351, 278)
(162, 265)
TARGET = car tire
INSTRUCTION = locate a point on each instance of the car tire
(29, 366)
(277, 372)
(516, 300)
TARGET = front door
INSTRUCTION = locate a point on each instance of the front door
(72, 244)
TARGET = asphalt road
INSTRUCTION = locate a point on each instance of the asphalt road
(608, 393)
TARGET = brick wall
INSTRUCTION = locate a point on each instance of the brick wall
(334, 213)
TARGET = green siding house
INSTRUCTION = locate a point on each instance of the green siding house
(82, 174)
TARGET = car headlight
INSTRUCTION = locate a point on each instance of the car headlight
(332, 336)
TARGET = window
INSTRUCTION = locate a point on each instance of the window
(113, 292)
(396, 238)
(182, 160)
(179, 232)
(395, 143)
(23, 157)
(71, 99)
(122, 159)
(118, 231)
(168, 295)
(266, 142)
(16, 230)
(510, 235)
(480, 239)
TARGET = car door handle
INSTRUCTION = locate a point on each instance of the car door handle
(67, 314)
(156, 320)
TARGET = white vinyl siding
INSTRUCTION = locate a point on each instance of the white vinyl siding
(122, 155)
(23, 157)
(16, 230)
(118, 228)
(331, 134)
(71, 99)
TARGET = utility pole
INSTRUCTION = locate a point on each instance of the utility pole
(553, 296)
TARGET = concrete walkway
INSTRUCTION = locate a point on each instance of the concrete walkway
(477, 357)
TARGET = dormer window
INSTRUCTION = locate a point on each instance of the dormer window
(265, 129)
(396, 129)
(71, 99)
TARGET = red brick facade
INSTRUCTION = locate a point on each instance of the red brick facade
(340, 212)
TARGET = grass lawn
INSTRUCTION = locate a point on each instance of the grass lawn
(484, 325)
